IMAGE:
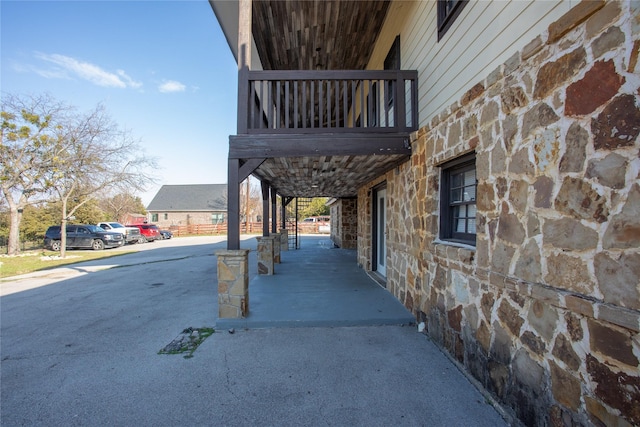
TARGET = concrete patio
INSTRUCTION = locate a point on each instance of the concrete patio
(317, 285)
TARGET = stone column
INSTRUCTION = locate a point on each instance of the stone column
(284, 239)
(265, 255)
(276, 248)
(233, 283)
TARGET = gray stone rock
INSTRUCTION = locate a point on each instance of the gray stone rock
(533, 225)
(510, 316)
(528, 264)
(512, 98)
(528, 372)
(609, 171)
(578, 199)
(520, 163)
(454, 134)
(569, 234)
(489, 114)
(518, 194)
(563, 350)
(543, 190)
(576, 142)
(570, 273)
(565, 387)
(510, 229)
(543, 318)
(609, 40)
(534, 342)
(501, 346)
(498, 159)
(540, 115)
(509, 131)
(619, 280)
(623, 230)
(501, 258)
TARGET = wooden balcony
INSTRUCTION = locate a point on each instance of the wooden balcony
(316, 102)
(323, 133)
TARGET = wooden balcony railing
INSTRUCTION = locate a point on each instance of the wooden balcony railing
(329, 102)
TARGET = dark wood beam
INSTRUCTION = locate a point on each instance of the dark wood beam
(265, 207)
(300, 145)
(248, 167)
(274, 210)
(233, 205)
(244, 61)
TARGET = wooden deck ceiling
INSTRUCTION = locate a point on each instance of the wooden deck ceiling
(312, 35)
(324, 176)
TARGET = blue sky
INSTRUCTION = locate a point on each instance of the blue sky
(162, 69)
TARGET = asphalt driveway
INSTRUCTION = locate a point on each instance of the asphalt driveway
(80, 346)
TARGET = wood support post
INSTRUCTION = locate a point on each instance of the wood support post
(233, 205)
(265, 207)
(274, 210)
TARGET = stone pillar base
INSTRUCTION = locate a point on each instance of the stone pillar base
(284, 239)
(276, 248)
(265, 255)
(233, 283)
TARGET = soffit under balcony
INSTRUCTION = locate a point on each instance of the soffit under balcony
(324, 176)
(311, 35)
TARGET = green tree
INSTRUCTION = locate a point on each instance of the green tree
(28, 137)
(317, 207)
(35, 221)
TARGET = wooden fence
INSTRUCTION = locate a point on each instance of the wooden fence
(245, 228)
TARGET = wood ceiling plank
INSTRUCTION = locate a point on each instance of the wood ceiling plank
(289, 32)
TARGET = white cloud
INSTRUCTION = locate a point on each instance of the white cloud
(68, 67)
(130, 82)
(169, 86)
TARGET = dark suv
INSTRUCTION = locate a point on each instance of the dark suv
(150, 232)
(82, 237)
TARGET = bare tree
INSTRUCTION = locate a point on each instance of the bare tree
(118, 206)
(93, 157)
(250, 200)
(27, 141)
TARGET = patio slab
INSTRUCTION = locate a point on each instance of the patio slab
(318, 285)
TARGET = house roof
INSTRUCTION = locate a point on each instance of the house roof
(189, 198)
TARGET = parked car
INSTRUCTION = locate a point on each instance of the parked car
(150, 232)
(130, 234)
(321, 224)
(82, 237)
(166, 234)
(317, 219)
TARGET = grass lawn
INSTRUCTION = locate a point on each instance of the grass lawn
(30, 261)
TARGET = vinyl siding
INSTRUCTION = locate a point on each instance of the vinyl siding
(485, 35)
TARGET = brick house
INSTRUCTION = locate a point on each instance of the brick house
(188, 205)
(488, 153)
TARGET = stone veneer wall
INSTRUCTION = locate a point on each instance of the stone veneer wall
(545, 311)
(344, 223)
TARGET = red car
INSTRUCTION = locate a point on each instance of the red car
(149, 232)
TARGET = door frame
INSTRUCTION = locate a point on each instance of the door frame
(374, 226)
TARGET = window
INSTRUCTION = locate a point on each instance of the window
(448, 11)
(458, 200)
(392, 62)
(217, 218)
(154, 217)
(166, 216)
